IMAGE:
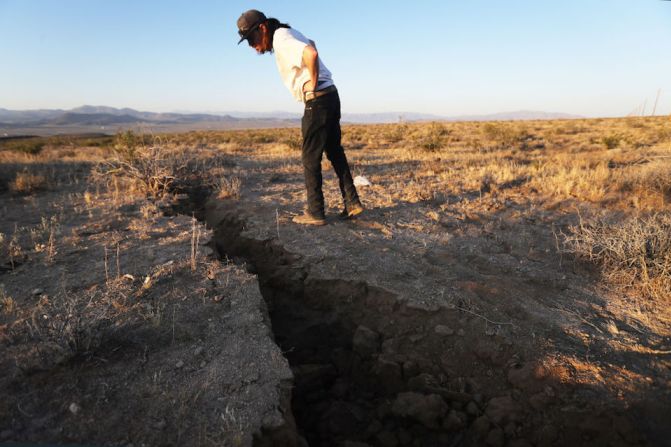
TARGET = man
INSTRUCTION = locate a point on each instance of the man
(309, 81)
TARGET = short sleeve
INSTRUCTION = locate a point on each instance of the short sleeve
(288, 47)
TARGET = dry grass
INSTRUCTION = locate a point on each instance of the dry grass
(28, 183)
(635, 252)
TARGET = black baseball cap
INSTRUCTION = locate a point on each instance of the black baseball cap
(248, 22)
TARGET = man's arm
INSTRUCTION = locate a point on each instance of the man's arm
(310, 60)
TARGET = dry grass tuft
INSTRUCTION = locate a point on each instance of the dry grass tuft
(635, 252)
(228, 188)
(28, 183)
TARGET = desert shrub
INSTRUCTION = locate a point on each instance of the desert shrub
(612, 141)
(150, 169)
(396, 132)
(127, 144)
(434, 137)
(503, 134)
(228, 188)
(28, 183)
(636, 251)
(27, 145)
(294, 142)
(654, 177)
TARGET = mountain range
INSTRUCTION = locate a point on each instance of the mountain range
(111, 119)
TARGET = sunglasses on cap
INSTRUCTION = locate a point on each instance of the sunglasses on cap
(247, 34)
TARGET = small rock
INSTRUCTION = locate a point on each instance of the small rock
(422, 382)
(478, 398)
(503, 409)
(410, 368)
(481, 426)
(388, 375)
(365, 341)
(416, 337)
(453, 422)
(198, 351)
(160, 425)
(472, 409)
(510, 429)
(74, 408)
(179, 364)
(37, 292)
(360, 180)
(443, 330)
(461, 333)
(529, 376)
(539, 401)
(203, 364)
(495, 438)
(428, 410)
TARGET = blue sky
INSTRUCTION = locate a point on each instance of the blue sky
(588, 57)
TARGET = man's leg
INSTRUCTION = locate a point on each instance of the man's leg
(336, 155)
(314, 141)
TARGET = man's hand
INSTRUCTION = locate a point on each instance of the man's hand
(310, 60)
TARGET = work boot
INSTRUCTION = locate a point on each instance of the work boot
(351, 211)
(309, 219)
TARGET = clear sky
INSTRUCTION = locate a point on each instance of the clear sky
(448, 57)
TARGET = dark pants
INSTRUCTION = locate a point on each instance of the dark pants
(321, 132)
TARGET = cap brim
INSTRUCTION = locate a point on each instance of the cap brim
(249, 31)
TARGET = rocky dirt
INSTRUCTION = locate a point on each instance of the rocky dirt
(114, 333)
(416, 324)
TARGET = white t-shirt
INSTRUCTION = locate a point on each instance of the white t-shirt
(288, 46)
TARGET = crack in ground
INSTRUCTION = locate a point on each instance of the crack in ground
(372, 370)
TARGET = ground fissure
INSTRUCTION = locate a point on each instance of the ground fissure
(370, 369)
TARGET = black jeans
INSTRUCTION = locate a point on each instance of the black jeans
(321, 132)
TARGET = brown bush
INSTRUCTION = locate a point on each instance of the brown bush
(636, 251)
(28, 183)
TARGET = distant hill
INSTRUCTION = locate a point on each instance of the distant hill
(89, 118)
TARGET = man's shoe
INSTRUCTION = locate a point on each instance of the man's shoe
(309, 219)
(351, 211)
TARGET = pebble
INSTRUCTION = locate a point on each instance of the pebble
(74, 408)
(453, 422)
(472, 409)
(179, 364)
(443, 330)
(461, 333)
(428, 410)
(416, 337)
(198, 351)
(503, 409)
(481, 425)
(37, 292)
(365, 341)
